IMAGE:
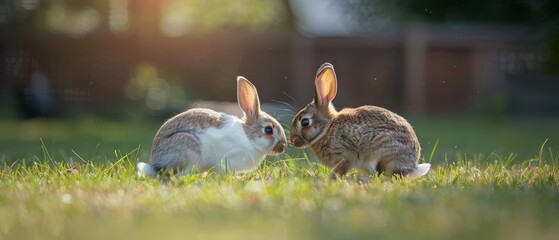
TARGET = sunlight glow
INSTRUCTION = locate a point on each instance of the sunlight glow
(180, 17)
(118, 15)
(76, 23)
(176, 20)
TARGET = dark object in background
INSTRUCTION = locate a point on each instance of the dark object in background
(34, 99)
(31, 87)
(532, 95)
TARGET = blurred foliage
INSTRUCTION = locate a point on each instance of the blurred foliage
(169, 17)
(158, 93)
(74, 17)
(498, 11)
(180, 17)
(542, 15)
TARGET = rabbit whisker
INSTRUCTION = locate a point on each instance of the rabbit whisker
(285, 103)
(285, 109)
(269, 148)
(289, 96)
(285, 115)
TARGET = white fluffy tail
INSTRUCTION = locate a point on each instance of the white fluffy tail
(421, 170)
(145, 170)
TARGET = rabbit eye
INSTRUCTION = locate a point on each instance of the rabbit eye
(268, 130)
(305, 122)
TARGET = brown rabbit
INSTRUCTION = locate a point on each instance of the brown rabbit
(368, 138)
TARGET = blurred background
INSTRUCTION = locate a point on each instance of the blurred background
(91, 76)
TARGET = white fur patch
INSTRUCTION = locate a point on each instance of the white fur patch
(421, 170)
(228, 148)
(145, 170)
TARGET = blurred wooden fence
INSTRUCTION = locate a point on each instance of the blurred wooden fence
(416, 69)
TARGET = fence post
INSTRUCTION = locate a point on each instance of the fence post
(415, 59)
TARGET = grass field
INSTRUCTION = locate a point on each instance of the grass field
(490, 180)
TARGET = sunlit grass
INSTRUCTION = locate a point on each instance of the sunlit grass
(472, 197)
(499, 182)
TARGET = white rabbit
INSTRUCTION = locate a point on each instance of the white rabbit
(202, 139)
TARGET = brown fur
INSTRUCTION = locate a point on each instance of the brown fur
(355, 137)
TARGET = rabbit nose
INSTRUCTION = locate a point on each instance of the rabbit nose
(297, 141)
(293, 138)
(280, 146)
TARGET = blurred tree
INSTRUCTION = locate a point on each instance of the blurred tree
(68, 17)
(499, 11)
(168, 17)
(542, 15)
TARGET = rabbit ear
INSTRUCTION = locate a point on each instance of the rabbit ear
(326, 85)
(247, 97)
